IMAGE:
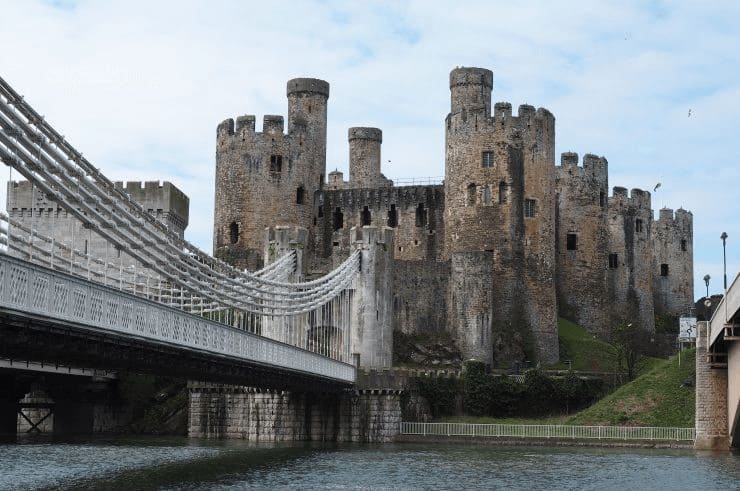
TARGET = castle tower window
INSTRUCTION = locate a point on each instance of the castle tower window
(683, 244)
(338, 219)
(300, 195)
(487, 196)
(365, 218)
(602, 199)
(638, 225)
(487, 159)
(530, 208)
(421, 215)
(663, 270)
(393, 217)
(571, 242)
(234, 232)
(472, 198)
(276, 163)
(503, 191)
(613, 261)
(321, 211)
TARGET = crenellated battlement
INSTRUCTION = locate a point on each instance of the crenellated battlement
(637, 198)
(594, 168)
(681, 218)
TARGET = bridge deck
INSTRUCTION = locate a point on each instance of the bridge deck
(42, 306)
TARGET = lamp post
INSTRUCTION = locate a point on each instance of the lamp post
(706, 281)
(724, 256)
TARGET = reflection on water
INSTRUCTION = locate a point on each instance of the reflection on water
(178, 463)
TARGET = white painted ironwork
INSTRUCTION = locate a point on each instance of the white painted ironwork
(37, 291)
(572, 432)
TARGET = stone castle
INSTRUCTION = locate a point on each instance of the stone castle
(491, 257)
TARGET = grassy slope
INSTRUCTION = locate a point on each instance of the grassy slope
(656, 398)
(582, 348)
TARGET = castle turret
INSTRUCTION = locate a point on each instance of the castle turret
(269, 178)
(364, 157)
(582, 240)
(630, 278)
(471, 90)
(673, 268)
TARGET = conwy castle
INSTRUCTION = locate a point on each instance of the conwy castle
(490, 258)
(483, 263)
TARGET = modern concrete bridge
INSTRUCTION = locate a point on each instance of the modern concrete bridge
(718, 375)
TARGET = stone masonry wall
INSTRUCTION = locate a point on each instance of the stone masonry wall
(673, 246)
(711, 398)
(582, 267)
(224, 411)
(36, 211)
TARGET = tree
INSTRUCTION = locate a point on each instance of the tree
(629, 342)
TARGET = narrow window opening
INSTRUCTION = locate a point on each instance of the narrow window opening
(471, 194)
(572, 242)
(234, 232)
(365, 218)
(663, 270)
(638, 225)
(487, 159)
(393, 217)
(683, 244)
(85, 246)
(300, 195)
(276, 163)
(602, 199)
(530, 208)
(338, 219)
(503, 191)
(613, 261)
(321, 211)
(487, 196)
(421, 215)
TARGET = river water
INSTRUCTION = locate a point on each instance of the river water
(179, 463)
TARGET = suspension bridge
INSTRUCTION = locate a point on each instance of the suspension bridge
(178, 310)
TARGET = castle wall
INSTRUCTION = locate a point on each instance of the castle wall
(673, 246)
(420, 296)
(631, 281)
(271, 177)
(582, 211)
(26, 204)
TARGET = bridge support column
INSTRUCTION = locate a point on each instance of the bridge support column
(711, 398)
(283, 239)
(372, 308)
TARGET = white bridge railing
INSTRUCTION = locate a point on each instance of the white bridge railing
(32, 290)
(549, 431)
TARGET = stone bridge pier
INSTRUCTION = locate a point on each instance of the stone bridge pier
(55, 403)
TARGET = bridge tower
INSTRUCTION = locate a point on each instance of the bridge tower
(270, 177)
(499, 224)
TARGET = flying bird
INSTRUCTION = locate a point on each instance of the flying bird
(657, 186)
(689, 113)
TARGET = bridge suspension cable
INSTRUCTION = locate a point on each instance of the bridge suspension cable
(264, 301)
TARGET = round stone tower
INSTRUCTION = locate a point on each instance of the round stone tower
(499, 224)
(269, 178)
(364, 157)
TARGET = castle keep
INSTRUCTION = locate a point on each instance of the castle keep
(489, 258)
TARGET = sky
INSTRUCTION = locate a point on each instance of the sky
(139, 87)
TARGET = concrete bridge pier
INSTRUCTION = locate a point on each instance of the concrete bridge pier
(711, 397)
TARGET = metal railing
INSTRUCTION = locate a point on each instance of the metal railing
(549, 431)
(38, 291)
(417, 181)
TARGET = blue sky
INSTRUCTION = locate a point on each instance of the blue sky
(139, 87)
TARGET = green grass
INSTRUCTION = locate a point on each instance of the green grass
(656, 398)
(551, 420)
(587, 352)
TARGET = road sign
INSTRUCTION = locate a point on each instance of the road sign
(687, 329)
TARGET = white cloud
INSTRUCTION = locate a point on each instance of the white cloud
(139, 87)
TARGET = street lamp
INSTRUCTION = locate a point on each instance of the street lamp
(706, 281)
(724, 256)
